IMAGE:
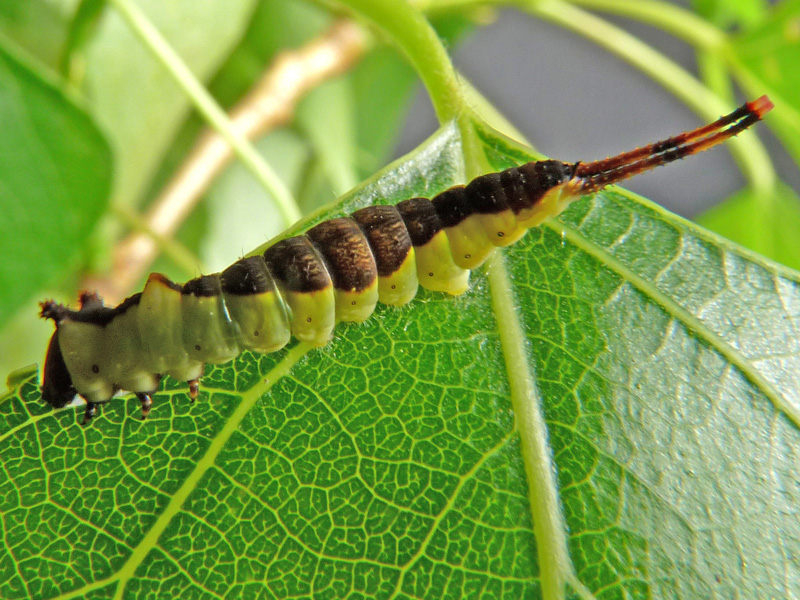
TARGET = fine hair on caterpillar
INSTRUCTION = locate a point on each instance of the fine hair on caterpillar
(336, 271)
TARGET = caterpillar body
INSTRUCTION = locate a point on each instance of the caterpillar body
(337, 271)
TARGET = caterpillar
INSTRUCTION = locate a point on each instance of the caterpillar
(337, 271)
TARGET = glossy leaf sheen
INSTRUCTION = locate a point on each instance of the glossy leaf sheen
(387, 464)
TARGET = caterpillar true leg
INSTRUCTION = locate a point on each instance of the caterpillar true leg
(194, 388)
(336, 271)
(147, 403)
(89, 412)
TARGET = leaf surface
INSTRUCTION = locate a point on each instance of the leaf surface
(388, 464)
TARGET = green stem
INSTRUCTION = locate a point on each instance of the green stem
(747, 150)
(408, 29)
(411, 32)
(206, 106)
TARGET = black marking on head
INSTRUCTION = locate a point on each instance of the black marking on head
(92, 310)
(50, 309)
(57, 389)
(90, 301)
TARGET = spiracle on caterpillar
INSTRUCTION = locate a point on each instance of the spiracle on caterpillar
(336, 271)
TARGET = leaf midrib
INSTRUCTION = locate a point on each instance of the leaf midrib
(549, 525)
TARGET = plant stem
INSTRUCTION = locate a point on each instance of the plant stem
(413, 35)
(411, 32)
(207, 106)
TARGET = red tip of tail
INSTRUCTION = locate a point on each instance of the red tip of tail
(760, 106)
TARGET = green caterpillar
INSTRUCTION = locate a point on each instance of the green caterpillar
(337, 271)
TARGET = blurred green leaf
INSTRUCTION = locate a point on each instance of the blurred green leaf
(55, 177)
(770, 54)
(387, 463)
(326, 118)
(383, 87)
(770, 226)
(730, 13)
(40, 27)
(276, 26)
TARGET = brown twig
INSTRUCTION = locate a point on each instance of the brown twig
(270, 103)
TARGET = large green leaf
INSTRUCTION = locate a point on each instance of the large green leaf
(39, 26)
(388, 463)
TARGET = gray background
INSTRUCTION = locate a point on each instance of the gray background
(575, 101)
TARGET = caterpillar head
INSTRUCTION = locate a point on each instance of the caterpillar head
(57, 388)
